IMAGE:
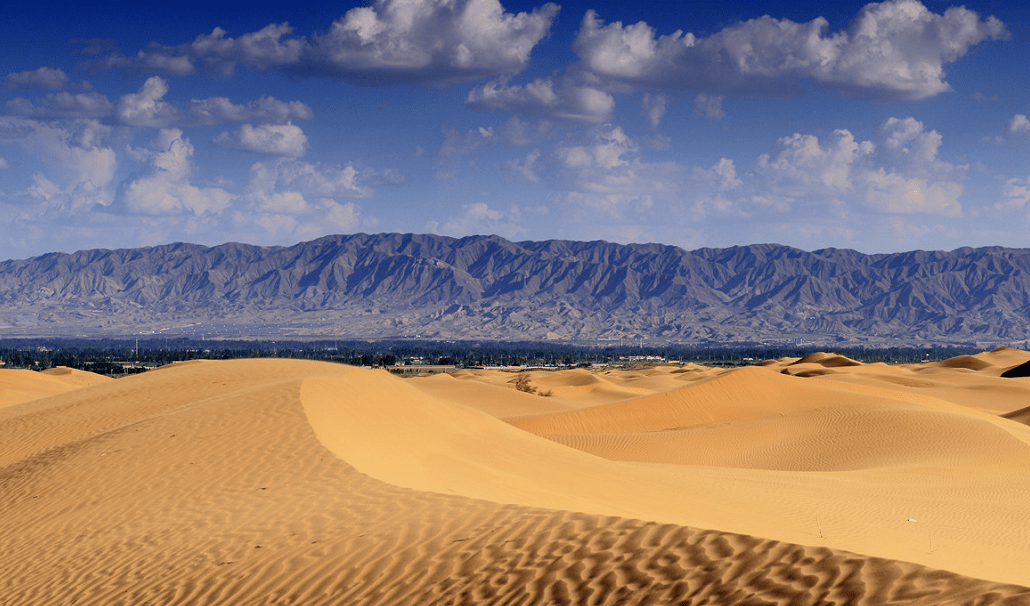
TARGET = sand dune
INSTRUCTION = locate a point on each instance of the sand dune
(17, 386)
(293, 482)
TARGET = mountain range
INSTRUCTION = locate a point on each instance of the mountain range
(490, 288)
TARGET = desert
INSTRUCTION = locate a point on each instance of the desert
(815, 480)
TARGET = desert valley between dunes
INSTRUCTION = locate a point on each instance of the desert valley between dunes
(795, 481)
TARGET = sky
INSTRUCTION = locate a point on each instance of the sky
(880, 127)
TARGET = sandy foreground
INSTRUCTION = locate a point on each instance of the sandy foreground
(811, 481)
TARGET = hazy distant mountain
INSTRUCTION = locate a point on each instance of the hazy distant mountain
(486, 287)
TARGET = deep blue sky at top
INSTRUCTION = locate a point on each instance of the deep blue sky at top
(118, 128)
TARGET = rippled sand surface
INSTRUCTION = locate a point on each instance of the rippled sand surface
(798, 481)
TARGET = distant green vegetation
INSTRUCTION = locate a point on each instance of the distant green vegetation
(118, 357)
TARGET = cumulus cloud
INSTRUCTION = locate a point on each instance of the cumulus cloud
(1019, 126)
(80, 162)
(802, 164)
(899, 174)
(552, 97)
(147, 108)
(63, 105)
(46, 78)
(286, 185)
(389, 41)
(1017, 130)
(164, 186)
(273, 139)
(429, 41)
(894, 193)
(893, 50)
(1015, 194)
(653, 108)
(722, 175)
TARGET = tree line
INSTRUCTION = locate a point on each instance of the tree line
(114, 356)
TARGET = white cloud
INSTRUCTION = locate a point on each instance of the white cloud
(286, 184)
(214, 110)
(606, 178)
(901, 174)
(427, 41)
(265, 48)
(803, 165)
(330, 217)
(605, 152)
(907, 141)
(525, 168)
(63, 106)
(653, 107)
(1019, 127)
(3, 164)
(273, 139)
(390, 41)
(893, 193)
(146, 108)
(80, 164)
(164, 186)
(262, 49)
(552, 97)
(1015, 193)
(709, 106)
(722, 175)
(44, 189)
(893, 50)
(521, 132)
(47, 78)
(477, 219)
(1018, 130)
(292, 197)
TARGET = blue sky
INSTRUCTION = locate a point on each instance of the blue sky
(881, 127)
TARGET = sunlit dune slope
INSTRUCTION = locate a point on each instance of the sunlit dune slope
(283, 481)
(17, 386)
(442, 447)
(755, 418)
(971, 381)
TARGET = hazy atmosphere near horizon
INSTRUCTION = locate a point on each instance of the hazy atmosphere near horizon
(881, 127)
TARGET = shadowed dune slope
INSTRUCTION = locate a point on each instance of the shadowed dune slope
(211, 483)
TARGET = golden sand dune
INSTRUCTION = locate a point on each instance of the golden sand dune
(293, 482)
(17, 386)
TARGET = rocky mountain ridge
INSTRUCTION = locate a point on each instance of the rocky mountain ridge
(486, 287)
